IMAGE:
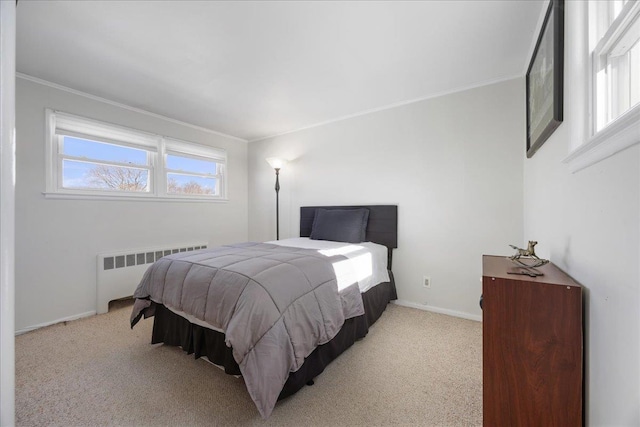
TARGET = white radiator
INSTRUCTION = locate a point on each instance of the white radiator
(119, 273)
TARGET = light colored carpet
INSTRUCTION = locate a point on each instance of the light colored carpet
(413, 368)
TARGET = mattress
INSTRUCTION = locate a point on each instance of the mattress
(366, 262)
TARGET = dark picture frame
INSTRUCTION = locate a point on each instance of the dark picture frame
(544, 79)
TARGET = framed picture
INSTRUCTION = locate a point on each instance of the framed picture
(544, 79)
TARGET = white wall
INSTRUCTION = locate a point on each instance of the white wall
(452, 164)
(57, 240)
(588, 223)
(7, 211)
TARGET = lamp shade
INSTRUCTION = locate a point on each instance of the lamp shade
(276, 162)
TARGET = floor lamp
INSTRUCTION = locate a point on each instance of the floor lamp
(277, 164)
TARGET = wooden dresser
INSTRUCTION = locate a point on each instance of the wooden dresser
(532, 346)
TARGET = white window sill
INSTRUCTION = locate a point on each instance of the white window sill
(183, 199)
(620, 134)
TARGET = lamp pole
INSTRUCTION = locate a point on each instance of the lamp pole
(277, 203)
(277, 163)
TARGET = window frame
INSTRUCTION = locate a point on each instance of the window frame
(623, 131)
(182, 149)
(60, 157)
(604, 34)
(60, 124)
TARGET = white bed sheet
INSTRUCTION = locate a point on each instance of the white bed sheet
(366, 262)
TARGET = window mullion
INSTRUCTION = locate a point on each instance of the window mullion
(634, 78)
(59, 171)
(58, 161)
(623, 81)
(160, 168)
(221, 187)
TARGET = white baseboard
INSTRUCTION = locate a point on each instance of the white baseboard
(66, 319)
(439, 310)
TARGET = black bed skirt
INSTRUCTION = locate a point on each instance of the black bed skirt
(171, 329)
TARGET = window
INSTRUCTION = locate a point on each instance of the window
(605, 56)
(93, 165)
(615, 43)
(87, 158)
(190, 170)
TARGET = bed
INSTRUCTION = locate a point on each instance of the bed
(278, 312)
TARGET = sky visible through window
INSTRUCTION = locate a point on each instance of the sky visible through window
(87, 170)
(101, 151)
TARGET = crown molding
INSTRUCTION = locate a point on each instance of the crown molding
(124, 106)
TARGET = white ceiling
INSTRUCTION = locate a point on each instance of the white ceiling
(257, 69)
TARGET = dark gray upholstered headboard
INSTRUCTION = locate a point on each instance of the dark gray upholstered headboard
(382, 227)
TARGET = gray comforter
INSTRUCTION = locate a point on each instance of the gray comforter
(274, 304)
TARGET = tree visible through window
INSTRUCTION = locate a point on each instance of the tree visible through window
(190, 174)
(190, 187)
(117, 178)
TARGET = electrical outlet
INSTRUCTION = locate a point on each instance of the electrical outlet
(426, 282)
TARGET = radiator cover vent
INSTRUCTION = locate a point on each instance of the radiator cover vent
(118, 273)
